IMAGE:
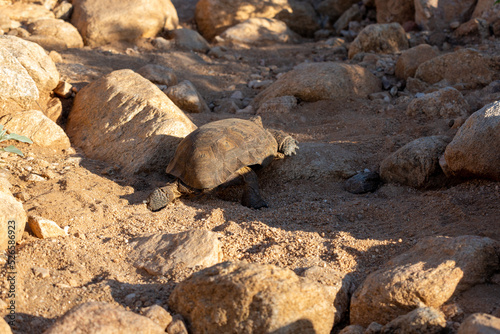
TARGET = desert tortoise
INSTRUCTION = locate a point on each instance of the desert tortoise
(222, 152)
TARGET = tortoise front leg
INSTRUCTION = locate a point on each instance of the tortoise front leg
(251, 195)
(161, 197)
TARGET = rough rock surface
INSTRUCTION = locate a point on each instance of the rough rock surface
(54, 34)
(444, 103)
(158, 254)
(158, 314)
(125, 119)
(215, 16)
(464, 66)
(421, 320)
(427, 274)
(38, 127)
(252, 298)
(105, 21)
(437, 15)
(474, 149)
(380, 38)
(280, 104)
(26, 13)
(100, 317)
(322, 81)
(301, 18)
(480, 323)
(333, 9)
(416, 164)
(190, 40)
(259, 31)
(410, 60)
(399, 11)
(44, 228)
(186, 97)
(10, 211)
(158, 74)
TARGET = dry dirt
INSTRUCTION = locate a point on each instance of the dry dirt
(309, 222)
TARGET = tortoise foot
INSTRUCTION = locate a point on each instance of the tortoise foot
(289, 146)
(159, 198)
(253, 200)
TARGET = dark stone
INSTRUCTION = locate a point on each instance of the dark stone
(363, 182)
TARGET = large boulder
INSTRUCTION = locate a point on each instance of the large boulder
(399, 11)
(258, 31)
(465, 66)
(105, 21)
(410, 60)
(473, 152)
(437, 15)
(252, 298)
(480, 323)
(426, 275)
(444, 103)
(100, 317)
(125, 119)
(55, 34)
(215, 16)
(416, 164)
(380, 38)
(322, 81)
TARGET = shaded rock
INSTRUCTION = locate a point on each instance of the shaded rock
(158, 74)
(44, 228)
(480, 323)
(105, 21)
(465, 66)
(252, 298)
(421, 320)
(333, 9)
(399, 11)
(352, 14)
(158, 314)
(62, 34)
(322, 81)
(280, 104)
(259, 31)
(100, 317)
(38, 127)
(35, 60)
(379, 38)
(26, 13)
(426, 275)
(444, 103)
(12, 221)
(177, 326)
(186, 97)
(158, 254)
(410, 60)
(416, 164)
(63, 89)
(301, 18)
(215, 16)
(190, 40)
(353, 329)
(473, 151)
(438, 15)
(63, 10)
(125, 119)
(54, 109)
(363, 182)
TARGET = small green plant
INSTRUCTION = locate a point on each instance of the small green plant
(12, 136)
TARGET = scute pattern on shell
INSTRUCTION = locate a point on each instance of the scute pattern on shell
(210, 155)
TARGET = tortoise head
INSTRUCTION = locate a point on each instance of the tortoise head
(157, 200)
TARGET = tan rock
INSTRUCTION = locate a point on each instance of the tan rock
(252, 298)
(63, 10)
(54, 109)
(301, 18)
(65, 34)
(38, 127)
(12, 221)
(186, 97)
(177, 326)
(26, 13)
(158, 314)
(190, 40)
(64, 89)
(399, 11)
(125, 119)
(353, 329)
(410, 60)
(215, 16)
(103, 318)
(260, 31)
(105, 21)
(421, 320)
(444, 103)
(473, 150)
(379, 38)
(158, 74)
(44, 228)
(322, 81)
(437, 15)
(159, 254)
(480, 323)
(4, 327)
(426, 275)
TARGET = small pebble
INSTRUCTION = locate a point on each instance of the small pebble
(40, 272)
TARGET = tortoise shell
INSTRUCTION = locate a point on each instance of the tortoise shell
(210, 155)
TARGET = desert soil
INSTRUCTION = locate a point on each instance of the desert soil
(309, 222)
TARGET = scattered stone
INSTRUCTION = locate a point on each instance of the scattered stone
(105, 21)
(267, 299)
(400, 11)
(421, 320)
(410, 60)
(426, 275)
(416, 164)
(159, 254)
(472, 152)
(44, 228)
(480, 323)
(108, 121)
(190, 40)
(158, 74)
(439, 15)
(32, 177)
(26, 13)
(374, 328)
(280, 104)
(350, 15)
(322, 81)
(301, 18)
(55, 34)
(226, 106)
(158, 314)
(100, 317)
(259, 84)
(380, 38)
(40, 272)
(63, 11)
(161, 43)
(64, 89)
(260, 31)
(444, 103)
(353, 329)
(187, 98)
(363, 182)
(177, 326)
